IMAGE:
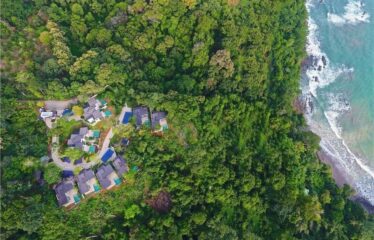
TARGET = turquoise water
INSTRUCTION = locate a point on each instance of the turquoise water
(96, 187)
(77, 198)
(117, 181)
(339, 86)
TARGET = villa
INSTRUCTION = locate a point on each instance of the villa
(108, 178)
(85, 140)
(66, 194)
(94, 110)
(87, 182)
(120, 165)
(159, 122)
(76, 139)
(141, 116)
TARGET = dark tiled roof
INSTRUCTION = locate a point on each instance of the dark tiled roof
(66, 159)
(97, 114)
(83, 131)
(102, 174)
(120, 165)
(67, 173)
(78, 161)
(91, 102)
(125, 141)
(75, 139)
(90, 111)
(156, 117)
(61, 189)
(83, 177)
(139, 112)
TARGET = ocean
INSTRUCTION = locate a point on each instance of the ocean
(338, 86)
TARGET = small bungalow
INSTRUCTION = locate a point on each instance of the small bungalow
(108, 178)
(108, 155)
(159, 122)
(67, 174)
(125, 142)
(66, 159)
(87, 182)
(66, 194)
(141, 116)
(120, 165)
(84, 140)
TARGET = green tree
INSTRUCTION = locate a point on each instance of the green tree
(52, 173)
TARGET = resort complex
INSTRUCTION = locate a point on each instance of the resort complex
(88, 160)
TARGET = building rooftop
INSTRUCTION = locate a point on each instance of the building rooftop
(76, 139)
(66, 159)
(141, 116)
(78, 161)
(61, 192)
(156, 118)
(105, 175)
(120, 165)
(83, 180)
(67, 173)
(92, 110)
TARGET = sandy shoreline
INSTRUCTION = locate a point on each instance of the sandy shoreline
(341, 178)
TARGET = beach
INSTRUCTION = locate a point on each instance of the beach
(336, 100)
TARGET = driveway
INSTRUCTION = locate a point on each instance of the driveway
(53, 105)
(106, 143)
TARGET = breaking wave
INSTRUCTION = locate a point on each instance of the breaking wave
(320, 72)
(353, 13)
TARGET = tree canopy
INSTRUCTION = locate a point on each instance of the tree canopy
(236, 162)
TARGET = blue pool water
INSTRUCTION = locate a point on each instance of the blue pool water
(117, 181)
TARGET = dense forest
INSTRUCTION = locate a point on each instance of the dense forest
(236, 162)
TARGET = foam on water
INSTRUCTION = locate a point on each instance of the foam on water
(353, 13)
(320, 73)
(337, 106)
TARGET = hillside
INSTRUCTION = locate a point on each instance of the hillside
(236, 162)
